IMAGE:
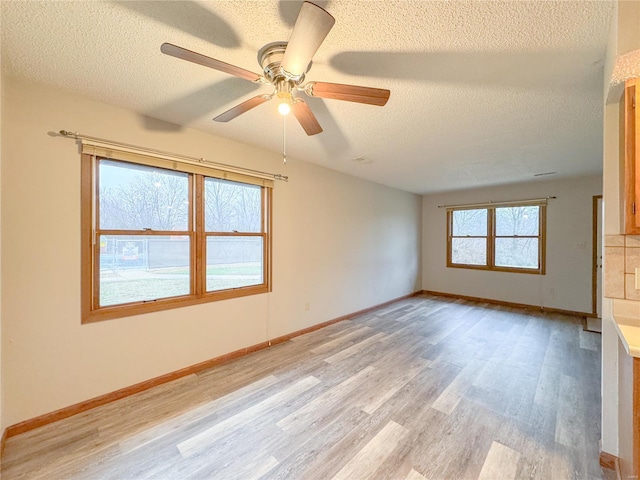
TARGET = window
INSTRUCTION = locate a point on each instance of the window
(502, 237)
(156, 238)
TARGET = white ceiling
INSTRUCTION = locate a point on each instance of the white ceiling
(482, 93)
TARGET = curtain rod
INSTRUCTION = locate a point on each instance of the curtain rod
(493, 204)
(248, 171)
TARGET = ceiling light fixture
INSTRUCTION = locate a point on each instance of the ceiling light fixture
(285, 99)
(284, 108)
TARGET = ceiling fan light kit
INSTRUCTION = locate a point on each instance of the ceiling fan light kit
(284, 107)
(283, 92)
(284, 66)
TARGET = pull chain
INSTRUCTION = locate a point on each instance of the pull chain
(284, 139)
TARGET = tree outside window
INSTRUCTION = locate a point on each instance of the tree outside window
(506, 238)
(165, 237)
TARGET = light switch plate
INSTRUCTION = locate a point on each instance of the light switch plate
(637, 278)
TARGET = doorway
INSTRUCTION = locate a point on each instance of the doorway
(597, 257)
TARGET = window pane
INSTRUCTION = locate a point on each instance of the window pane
(135, 197)
(232, 206)
(517, 252)
(470, 222)
(234, 262)
(521, 221)
(135, 268)
(469, 251)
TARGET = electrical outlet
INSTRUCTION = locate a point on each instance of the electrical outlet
(307, 306)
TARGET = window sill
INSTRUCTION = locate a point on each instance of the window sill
(119, 311)
(498, 269)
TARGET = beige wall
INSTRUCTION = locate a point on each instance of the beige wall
(628, 23)
(567, 282)
(625, 37)
(340, 243)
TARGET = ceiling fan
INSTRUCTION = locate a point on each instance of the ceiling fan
(284, 66)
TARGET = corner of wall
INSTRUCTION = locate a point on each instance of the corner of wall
(1, 363)
(612, 50)
(568, 243)
(419, 280)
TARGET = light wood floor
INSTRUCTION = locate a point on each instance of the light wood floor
(425, 388)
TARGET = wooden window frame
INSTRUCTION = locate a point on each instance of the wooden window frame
(90, 249)
(491, 240)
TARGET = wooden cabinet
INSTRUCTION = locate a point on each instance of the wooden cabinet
(629, 417)
(635, 422)
(631, 147)
(629, 367)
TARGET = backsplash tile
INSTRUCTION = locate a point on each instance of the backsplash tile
(614, 258)
(631, 259)
(630, 292)
(626, 308)
(621, 258)
(632, 241)
(614, 240)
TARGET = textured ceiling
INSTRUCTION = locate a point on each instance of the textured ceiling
(482, 93)
(627, 66)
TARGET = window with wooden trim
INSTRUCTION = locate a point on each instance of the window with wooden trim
(155, 238)
(505, 237)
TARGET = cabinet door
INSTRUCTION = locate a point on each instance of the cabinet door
(631, 160)
(636, 412)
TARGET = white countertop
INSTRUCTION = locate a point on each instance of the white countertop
(629, 333)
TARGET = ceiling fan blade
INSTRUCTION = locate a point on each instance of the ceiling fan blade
(184, 54)
(305, 116)
(311, 28)
(242, 108)
(349, 93)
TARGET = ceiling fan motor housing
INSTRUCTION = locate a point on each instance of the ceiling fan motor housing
(270, 59)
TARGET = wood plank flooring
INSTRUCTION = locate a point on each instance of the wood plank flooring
(426, 388)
